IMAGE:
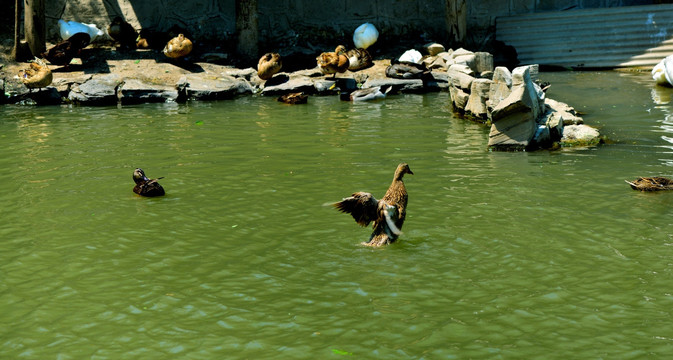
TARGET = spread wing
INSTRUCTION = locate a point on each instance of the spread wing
(361, 205)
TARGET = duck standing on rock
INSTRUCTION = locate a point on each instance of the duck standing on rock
(63, 52)
(146, 187)
(178, 47)
(123, 32)
(388, 214)
(656, 183)
(269, 65)
(37, 75)
(333, 62)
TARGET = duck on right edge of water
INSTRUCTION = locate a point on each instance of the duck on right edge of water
(656, 183)
(388, 214)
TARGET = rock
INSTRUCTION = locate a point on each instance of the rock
(134, 91)
(476, 103)
(45, 96)
(500, 86)
(580, 134)
(434, 48)
(99, 90)
(460, 80)
(513, 121)
(461, 52)
(305, 85)
(521, 76)
(469, 60)
(200, 87)
(215, 58)
(554, 121)
(434, 63)
(462, 68)
(483, 62)
(459, 98)
(564, 111)
(441, 79)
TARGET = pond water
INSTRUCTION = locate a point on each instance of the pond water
(527, 255)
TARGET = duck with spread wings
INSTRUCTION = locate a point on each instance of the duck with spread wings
(387, 214)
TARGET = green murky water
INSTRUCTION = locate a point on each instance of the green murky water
(544, 255)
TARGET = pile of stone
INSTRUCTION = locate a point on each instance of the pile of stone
(521, 116)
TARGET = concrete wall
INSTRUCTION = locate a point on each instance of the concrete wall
(281, 22)
(310, 23)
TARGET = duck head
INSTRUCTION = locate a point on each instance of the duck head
(402, 169)
(139, 176)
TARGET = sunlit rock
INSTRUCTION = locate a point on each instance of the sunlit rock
(476, 103)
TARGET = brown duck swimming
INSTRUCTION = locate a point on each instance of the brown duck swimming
(387, 214)
(294, 98)
(651, 183)
(63, 52)
(145, 186)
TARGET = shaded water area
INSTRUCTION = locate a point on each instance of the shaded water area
(539, 255)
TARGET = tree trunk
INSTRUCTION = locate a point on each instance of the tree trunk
(456, 20)
(247, 30)
(34, 26)
(20, 49)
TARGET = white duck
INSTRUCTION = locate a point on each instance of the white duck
(365, 36)
(662, 73)
(69, 28)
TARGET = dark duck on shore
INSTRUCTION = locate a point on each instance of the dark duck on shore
(388, 214)
(651, 183)
(123, 32)
(63, 52)
(145, 186)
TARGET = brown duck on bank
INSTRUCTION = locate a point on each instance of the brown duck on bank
(387, 214)
(63, 52)
(145, 186)
(178, 47)
(37, 75)
(333, 62)
(359, 59)
(269, 65)
(651, 183)
(294, 98)
(123, 33)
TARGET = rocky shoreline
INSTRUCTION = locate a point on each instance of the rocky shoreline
(513, 104)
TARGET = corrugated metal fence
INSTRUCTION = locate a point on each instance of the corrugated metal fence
(630, 36)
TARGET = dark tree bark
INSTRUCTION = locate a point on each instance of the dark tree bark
(247, 30)
(34, 26)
